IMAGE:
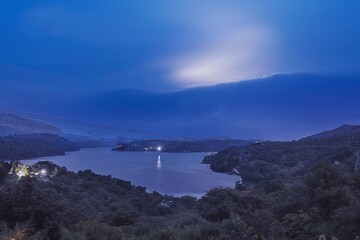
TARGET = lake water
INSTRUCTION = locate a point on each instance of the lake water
(168, 173)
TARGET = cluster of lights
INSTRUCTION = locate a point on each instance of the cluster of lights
(25, 172)
(21, 174)
(158, 148)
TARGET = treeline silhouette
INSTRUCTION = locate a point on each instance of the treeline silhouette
(85, 205)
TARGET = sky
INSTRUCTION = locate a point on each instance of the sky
(291, 67)
(89, 47)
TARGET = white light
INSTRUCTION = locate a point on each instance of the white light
(159, 148)
(21, 173)
(158, 165)
(43, 171)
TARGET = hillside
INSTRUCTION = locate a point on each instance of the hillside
(14, 124)
(204, 145)
(11, 124)
(45, 201)
(344, 130)
(287, 160)
(83, 141)
(16, 147)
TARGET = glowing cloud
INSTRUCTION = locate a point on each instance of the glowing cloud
(243, 55)
(233, 47)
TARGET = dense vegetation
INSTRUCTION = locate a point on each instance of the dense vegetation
(16, 147)
(89, 206)
(205, 145)
(63, 205)
(285, 161)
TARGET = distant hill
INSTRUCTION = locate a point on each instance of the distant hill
(11, 124)
(203, 145)
(279, 107)
(5, 131)
(344, 130)
(288, 160)
(14, 124)
(17, 147)
(82, 141)
(284, 106)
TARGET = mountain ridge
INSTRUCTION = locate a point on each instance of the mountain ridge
(279, 107)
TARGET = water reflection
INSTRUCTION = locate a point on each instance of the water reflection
(158, 165)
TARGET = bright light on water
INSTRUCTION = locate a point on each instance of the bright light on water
(158, 165)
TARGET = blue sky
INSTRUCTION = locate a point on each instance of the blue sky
(88, 47)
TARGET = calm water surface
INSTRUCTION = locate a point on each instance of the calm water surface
(167, 173)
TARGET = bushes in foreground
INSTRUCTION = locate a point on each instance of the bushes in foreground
(89, 206)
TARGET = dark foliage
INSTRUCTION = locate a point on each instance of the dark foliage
(16, 147)
(89, 206)
(285, 161)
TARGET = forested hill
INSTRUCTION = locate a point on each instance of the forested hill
(344, 130)
(202, 145)
(288, 160)
(45, 201)
(16, 147)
